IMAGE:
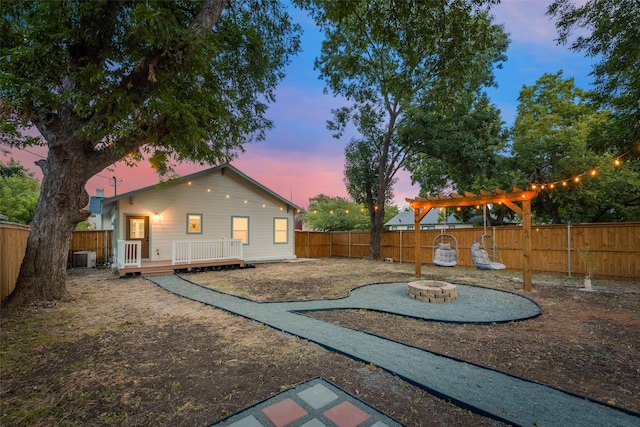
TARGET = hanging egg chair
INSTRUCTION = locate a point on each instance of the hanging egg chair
(485, 254)
(445, 250)
(484, 251)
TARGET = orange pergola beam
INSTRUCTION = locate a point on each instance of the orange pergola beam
(421, 206)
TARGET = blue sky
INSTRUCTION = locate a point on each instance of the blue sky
(300, 158)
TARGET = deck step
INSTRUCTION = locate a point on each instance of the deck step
(159, 272)
(165, 268)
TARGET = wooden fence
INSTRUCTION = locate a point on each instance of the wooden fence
(614, 248)
(98, 241)
(13, 243)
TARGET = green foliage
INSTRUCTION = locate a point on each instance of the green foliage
(362, 170)
(456, 142)
(84, 226)
(550, 145)
(327, 213)
(129, 75)
(608, 31)
(19, 192)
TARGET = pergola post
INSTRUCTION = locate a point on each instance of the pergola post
(526, 245)
(417, 251)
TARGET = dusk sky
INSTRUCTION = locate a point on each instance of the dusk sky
(300, 158)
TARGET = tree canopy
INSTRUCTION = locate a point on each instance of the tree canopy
(550, 147)
(327, 213)
(104, 81)
(608, 30)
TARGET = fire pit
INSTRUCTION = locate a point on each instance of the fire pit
(432, 291)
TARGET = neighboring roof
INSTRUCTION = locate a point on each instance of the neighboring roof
(431, 218)
(4, 217)
(95, 205)
(196, 175)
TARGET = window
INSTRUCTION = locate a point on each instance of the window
(136, 228)
(240, 228)
(194, 223)
(280, 230)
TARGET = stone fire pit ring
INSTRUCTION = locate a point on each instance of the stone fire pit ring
(432, 291)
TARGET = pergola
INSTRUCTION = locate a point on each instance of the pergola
(421, 206)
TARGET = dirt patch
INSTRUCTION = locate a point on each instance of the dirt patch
(126, 352)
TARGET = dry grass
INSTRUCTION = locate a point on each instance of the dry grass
(125, 352)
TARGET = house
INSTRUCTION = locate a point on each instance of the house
(214, 217)
(96, 209)
(404, 221)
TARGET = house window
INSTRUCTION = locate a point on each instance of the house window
(280, 230)
(240, 228)
(194, 223)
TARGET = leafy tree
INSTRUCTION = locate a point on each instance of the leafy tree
(458, 138)
(105, 81)
(550, 137)
(362, 168)
(383, 56)
(611, 195)
(457, 144)
(609, 33)
(19, 192)
(327, 213)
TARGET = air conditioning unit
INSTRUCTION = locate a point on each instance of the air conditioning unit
(84, 259)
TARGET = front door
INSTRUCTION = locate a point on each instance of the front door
(138, 230)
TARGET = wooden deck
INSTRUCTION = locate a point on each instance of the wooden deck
(162, 267)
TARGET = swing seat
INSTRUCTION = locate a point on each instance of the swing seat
(445, 250)
(481, 259)
(445, 256)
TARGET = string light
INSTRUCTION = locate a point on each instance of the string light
(227, 196)
(617, 162)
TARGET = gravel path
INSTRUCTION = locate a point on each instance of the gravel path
(491, 393)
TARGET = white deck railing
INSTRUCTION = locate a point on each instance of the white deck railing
(188, 251)
(129, 253)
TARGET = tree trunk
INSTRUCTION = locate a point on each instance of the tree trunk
(377, 229)
(60, 207)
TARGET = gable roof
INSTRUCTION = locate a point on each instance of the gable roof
(196, 175)
(431, 218)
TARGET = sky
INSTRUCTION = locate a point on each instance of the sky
(300, 159)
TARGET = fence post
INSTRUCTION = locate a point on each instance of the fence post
(349, 244)
(330, 243)
(569, 247)
(400, 257)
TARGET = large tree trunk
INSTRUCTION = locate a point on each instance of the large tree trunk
(60, 207)
(377, 229)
